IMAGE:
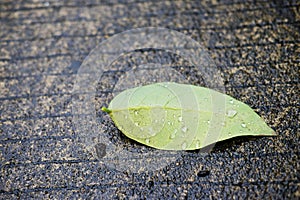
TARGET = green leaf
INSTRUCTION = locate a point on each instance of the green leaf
(174, 116)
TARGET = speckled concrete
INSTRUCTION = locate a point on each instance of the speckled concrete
(42, 44)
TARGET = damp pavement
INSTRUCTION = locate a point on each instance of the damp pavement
(255, 45)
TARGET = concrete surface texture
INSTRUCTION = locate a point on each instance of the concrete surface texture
(255, 44)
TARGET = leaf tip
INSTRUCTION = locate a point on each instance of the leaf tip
(274, 133)
(271, 133)
(106, 110)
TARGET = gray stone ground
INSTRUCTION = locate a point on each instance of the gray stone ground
(42, 44)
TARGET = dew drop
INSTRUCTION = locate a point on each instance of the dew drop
(231, 101)
(136, 112)
(180, 119)
(125, 117)
(197, 144)
(183, 146)
(136, 123)
(184, 129)
(231, 113)
(229, 133)
(243, 125)
(156, 121)
(223, 123)
(147, 140)
(236, 105)
(208, 121)
(151, 132)
(172, 136)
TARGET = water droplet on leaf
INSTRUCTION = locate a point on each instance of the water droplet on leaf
(183, 146)
(231, 113)
(180, 119)
(184, 129)
(173, 134)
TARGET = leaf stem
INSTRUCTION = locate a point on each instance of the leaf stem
(106, 110)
